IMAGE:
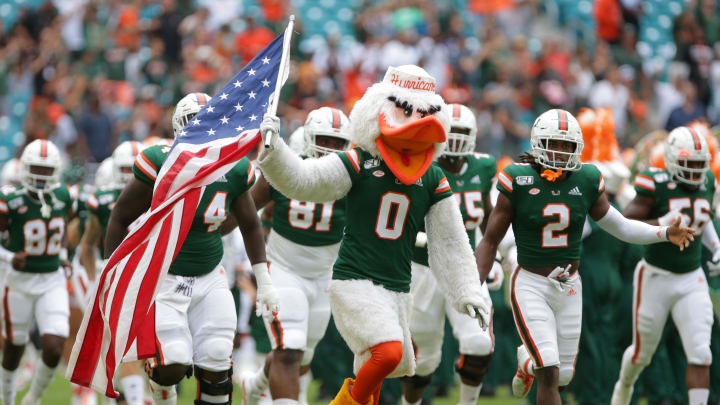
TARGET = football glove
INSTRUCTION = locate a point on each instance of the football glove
(270, 130)
(714, 264)
(266, 297)
(560, 278)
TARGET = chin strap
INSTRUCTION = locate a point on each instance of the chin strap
(550, 175)
(45, 209)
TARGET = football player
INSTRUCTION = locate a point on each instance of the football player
(470, 176)
(546, 199)
(195, 315)
(668, 282)
(35, 215)
(302, 248)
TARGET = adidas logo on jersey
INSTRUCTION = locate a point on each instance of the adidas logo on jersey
(575, 191)
(476, 179)
(222, 179)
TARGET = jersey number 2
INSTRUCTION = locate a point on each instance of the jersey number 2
(36, 241)
(551, 239)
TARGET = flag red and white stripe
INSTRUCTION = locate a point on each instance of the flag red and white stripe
(119, 324)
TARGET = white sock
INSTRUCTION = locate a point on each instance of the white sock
(698, 396)
(284, 401)
(8, 385)
(469, 394)
(305, 381)
(43, 376)
(163, 395)
(530, 369)
(133, 387)
(259, 381)
(405, 401)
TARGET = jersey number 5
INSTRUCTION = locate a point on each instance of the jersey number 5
(700, 211)
(551, 239)
(36, 241)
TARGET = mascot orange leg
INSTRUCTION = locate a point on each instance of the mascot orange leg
(384, 358)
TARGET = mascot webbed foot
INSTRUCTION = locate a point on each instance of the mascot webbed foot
(343, 396)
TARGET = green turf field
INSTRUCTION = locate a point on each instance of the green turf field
(59, 394)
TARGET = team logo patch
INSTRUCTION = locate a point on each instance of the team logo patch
(22, 209)
(15, 202)
(671, 186)
(370, 163)
(556, 192)
(534, 191)
(524, 180)
(459, 183)
(378, 173)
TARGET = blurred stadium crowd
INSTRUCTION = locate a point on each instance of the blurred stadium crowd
(89, 74)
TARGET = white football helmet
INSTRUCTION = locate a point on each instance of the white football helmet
(557, 125)
(104, 177)
(40, 154)
(463, 130)
(685, 145)
(11, 173)
(296, 142)
(325, 121)
(186, 109)
(123, 159)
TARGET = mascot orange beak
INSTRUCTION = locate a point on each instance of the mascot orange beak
(408, 150)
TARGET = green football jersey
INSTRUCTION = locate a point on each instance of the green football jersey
(308, 223)
(202, 249)
(386, 217)
(549, 216)
(474, 179)
(101, 202)
(695, 205)
(28, 231)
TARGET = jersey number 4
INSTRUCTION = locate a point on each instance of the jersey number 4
(301, 215)
(37, 242)
(550, 237)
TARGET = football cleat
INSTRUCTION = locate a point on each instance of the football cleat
(523, 379)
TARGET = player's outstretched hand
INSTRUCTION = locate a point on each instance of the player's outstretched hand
(475, 306)
(270, 128)
(680, 235)
(19, 260)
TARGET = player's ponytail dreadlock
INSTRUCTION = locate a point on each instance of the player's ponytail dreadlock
(528, 158)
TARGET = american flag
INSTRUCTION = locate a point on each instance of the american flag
(118, 324)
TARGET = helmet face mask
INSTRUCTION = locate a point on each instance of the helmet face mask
(687, 156)
(40, 166)
(463, 131)
(326, 130)
(556, 141)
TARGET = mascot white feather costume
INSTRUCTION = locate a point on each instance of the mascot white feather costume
(392, 185)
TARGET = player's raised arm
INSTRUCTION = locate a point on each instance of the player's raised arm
(638, 232)
(500, 219)
(317, 180)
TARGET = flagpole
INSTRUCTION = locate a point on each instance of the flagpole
(272, 108)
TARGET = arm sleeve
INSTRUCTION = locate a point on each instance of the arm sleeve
(710, 237)
(630, 230)
(449, 254)
(317, 180)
